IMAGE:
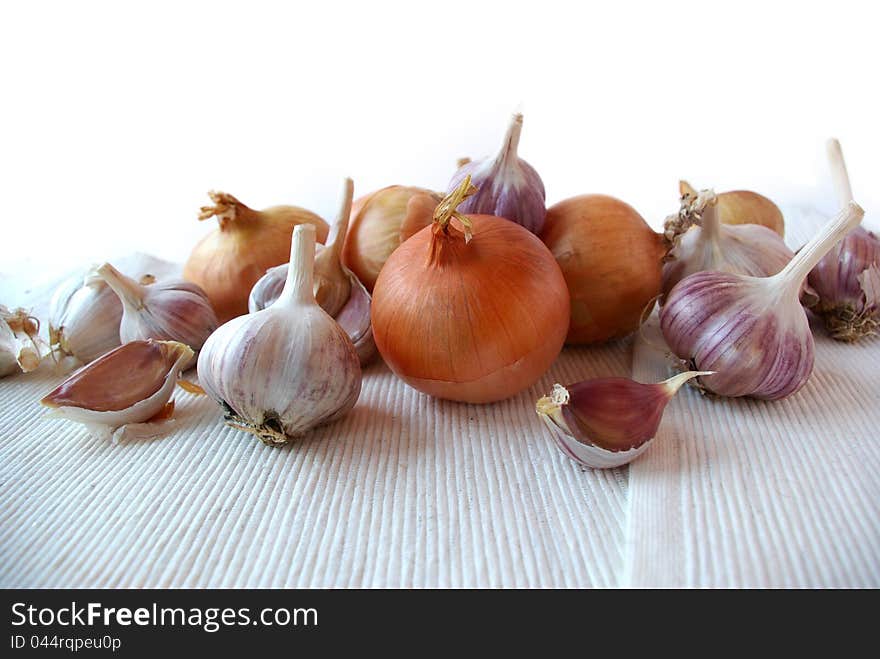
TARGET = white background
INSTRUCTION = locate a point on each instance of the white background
(116, 119)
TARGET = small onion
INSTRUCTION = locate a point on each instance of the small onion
(612, 263)
(473, 314)
(228, 261)
(379, 223)
(744, 207)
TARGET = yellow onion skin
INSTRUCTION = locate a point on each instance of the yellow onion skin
(476, 322)
(611, 261)
(227, 262)
(745, 207)
(379, 223)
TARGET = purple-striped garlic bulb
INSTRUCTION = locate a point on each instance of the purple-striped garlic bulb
(507, 186)
(284, 370)
(847, 280)
(707, 244)
(607, 422)
(752, 331)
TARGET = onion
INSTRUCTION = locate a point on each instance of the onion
(228, 261)
(379, 223)
(470, 319)
(611, 261)
(744, 207)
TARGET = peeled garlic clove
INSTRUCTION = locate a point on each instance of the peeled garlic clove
(21, 348)
(84, 316)
(165, 311)
(608, 422)
(286, 369)
(129, 385)
(507, 186)
(352, 312)
(709, 244)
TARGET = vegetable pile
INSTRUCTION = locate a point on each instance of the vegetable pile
(467, 296)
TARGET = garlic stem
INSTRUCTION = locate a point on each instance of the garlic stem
(790, 278)
(128, 290)
(710, 222)
(298, 286)
(675, 383)
(838, 172)
(340, 227)
(511, 140)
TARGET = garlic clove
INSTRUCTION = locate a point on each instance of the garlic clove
(21, 348)
(608, 422)
(129, 385)
(354, 318)
(84, 317)
(175, 310)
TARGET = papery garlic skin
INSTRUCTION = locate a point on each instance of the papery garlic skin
(174, 310)
(751, 330)
(128, 385)
(507, 186)
(286, 369)
(21, 348)
(607, 422)
(746, 249)
(84, 317)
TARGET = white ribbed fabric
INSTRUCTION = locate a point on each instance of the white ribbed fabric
(746, 493)
(405, 491)
(408, 491)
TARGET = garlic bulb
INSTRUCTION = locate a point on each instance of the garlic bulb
(608, 422)
(752, 331)
(166, 311)
(131, 384)
(507, 186)
(84, 316)
(847, 281)
(746, 249)
(288, 368)
(21, 348)
(337, 290)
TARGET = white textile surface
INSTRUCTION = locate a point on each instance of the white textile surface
(408, 491)
(749, 493)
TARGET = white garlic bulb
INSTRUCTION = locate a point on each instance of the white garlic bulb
(174, 310)
(84, 317)
(127, 386)
(287, 369)
(337, 289)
